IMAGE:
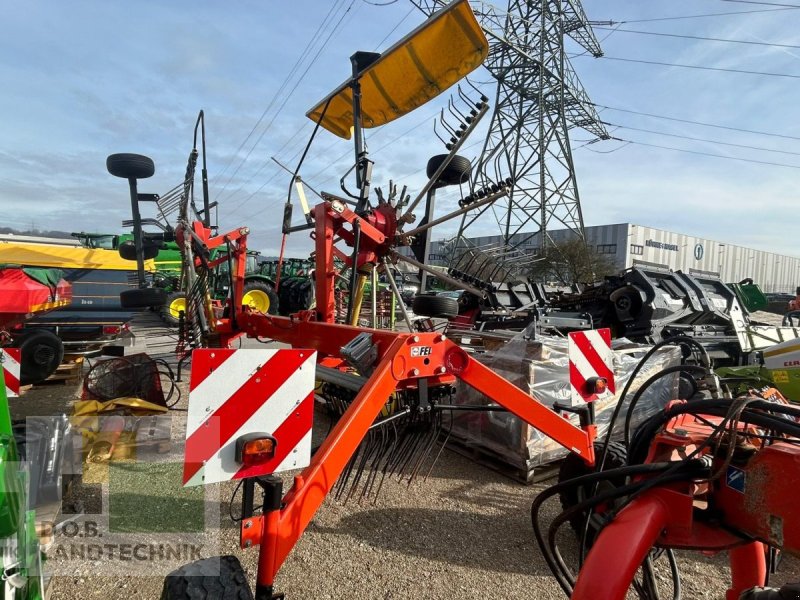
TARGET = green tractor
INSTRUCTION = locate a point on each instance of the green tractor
(259, 290)
(296, 289)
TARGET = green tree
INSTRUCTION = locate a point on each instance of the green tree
(572, 261)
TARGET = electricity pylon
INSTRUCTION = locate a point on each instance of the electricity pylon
(539, 99)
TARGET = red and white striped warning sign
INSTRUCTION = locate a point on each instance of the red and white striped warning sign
(590, 359)
(239, 392)
(11, 357)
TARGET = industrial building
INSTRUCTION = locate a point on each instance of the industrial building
(628, 245)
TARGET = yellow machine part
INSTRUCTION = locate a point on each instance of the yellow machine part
(444, 49)
(66, 257)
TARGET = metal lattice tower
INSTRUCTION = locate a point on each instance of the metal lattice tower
(539, 99)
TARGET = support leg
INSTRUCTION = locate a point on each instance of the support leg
(620, 548)
(748, 568)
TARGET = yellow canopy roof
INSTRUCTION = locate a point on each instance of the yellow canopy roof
(66, 257)
(437, 54)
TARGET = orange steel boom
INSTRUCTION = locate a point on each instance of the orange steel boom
(399, 366)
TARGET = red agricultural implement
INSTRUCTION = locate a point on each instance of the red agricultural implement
(407, 377)
(23, 294)
(711, 475)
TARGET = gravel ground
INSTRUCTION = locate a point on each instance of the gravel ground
(463, 533)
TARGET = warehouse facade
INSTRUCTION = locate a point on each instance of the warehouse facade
(628, 245)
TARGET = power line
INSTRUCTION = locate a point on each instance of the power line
(695, 139)
(763, 3)
(698, 152)
(698, 37)
(297, 83)
(701, 16)
(699, 67)
(373, 152)
(679, 120)
(312, 40)
(386, 37)
(299, 149)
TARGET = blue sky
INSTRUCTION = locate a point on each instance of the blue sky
(84, 79)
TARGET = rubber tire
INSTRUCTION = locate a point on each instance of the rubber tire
(127, 250)
(166, 314)
(286, 294)
(130, 166)
(788, 591)
(458, 171)
(302, 295)
(143, 298)
(219, 578)
(263, 286)
(573, 466)
(435, 306)
(42, 352)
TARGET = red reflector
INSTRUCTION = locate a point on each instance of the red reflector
(256, 450)
(596, 385)
(111, 329)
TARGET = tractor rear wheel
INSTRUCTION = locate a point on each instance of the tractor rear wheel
(173, 306)
(259, 296)
(219, 578)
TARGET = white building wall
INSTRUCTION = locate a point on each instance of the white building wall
(631, 243)
(773, 272)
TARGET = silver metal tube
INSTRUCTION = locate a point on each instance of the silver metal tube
(460, 211)
(396, 292)
(374, 298)
(451, 280)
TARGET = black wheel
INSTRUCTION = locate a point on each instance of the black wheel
(42, 352)
(304, 294)
(220, 578)
(786, 592)
(574, 466)
(456, 172)
(142, 298)
(435, 306)
(286, 293)
(130, 166)
(261, 297)
(687, 386)
(173, 306)
(127, 250)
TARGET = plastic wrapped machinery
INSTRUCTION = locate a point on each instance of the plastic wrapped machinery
(540, 368)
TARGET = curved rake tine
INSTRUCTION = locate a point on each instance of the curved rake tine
(430, 440)
(446, 125)
(365, 454)
(441, 448)
(370, 482)
(451, 107)
(436, 133)
(483, 97)
(393, 445)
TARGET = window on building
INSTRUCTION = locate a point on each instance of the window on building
(637, 249)
(606, 248)
(439, 257)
